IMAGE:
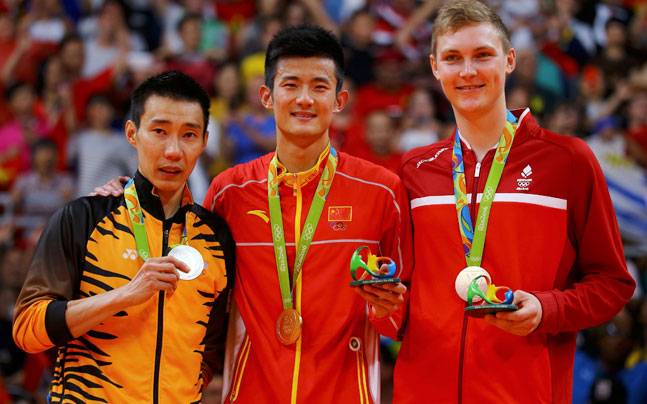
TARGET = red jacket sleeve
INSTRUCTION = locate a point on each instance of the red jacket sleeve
(396, 243)
(598, 285)
(212, 200)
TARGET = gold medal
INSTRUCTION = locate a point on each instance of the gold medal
(288, 326)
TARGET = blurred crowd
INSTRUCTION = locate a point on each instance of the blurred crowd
(67, 68)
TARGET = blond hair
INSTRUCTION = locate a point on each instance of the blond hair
(458, 14)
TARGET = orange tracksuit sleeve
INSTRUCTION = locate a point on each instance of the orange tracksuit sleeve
(39, 320)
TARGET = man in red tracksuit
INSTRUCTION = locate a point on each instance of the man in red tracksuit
(332, 354)
(551, 235)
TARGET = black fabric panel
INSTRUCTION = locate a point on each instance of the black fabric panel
(55, 323)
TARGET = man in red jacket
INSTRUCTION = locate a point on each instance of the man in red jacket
(551, 235)
(301, 333)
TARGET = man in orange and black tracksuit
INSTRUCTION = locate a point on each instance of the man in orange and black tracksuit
(127, 329)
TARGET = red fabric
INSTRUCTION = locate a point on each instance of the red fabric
(639, 135)
(58, 133)
(566, 63)
(234, 10)
(390, 162)
(200, 69)
(371, 98)
(332, 312)
(4, 395)
(28, 65)
(35, 365)
(554, 236)
(84, 88)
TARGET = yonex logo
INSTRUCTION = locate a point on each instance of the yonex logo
(129, 254)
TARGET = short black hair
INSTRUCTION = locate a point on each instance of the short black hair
(69, 38)
(171, 84)
(304, 41)
(188, 17)
(14, 87)
(44, 144)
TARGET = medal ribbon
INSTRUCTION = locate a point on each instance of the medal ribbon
(276, 222)
(474, 238)
(137, 220)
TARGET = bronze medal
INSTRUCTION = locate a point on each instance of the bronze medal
(288, 326)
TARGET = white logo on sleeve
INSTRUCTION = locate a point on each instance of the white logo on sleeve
(129, 254)
(434, 157)
(523, 183)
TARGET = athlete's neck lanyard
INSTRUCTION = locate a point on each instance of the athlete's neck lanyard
(137, 220)
(474, 238)
(276, 221)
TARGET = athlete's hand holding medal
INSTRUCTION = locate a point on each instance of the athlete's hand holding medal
(159, 274)
(516, 312)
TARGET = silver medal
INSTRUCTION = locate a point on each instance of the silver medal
(191, 257)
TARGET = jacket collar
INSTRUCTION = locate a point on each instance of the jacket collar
(151, 203)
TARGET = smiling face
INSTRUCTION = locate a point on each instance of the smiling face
(169, 141)
(471, 65)
(303, 98)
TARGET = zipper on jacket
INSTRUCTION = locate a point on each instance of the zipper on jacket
(473, 212)
(160, 323)
(461, 359)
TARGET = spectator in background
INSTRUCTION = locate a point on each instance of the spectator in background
(626, 179)
(73, 57)
(191, 59)
(542, 80)
(419, 124)
(616, 59)
(253, 56)
(112, 40)
(228, 99)
(47, 21)
(251, 129)
(20, 133)
(599, 99)
(99, 152)
(7, 38)
(600, 372)
(389, 93)
(214, 34)
(41, 191)
(54, 102)
(247, 42)
(382, 138)
(568, 41)
(392, 16)
(637, 120)
(359, 49)
(390, 90)
(565, 119)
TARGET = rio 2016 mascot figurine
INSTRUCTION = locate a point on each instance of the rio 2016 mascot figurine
(374, 270)
(474, 285)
